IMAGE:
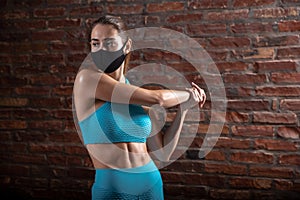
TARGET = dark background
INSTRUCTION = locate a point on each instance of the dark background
(255, 45)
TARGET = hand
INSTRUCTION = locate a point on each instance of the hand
(197, 95)
(201, 94)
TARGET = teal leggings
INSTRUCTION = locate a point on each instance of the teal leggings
(139, 183)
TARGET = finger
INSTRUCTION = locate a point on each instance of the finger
(203, 100)
(196, 86)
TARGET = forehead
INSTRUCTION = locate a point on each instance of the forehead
(101, 31)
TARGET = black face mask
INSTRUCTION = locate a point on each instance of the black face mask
(109, 61)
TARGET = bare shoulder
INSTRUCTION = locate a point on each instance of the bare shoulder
(84, 93)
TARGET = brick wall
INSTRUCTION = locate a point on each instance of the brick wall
(255, 45)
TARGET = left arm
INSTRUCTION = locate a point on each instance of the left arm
(162, 145)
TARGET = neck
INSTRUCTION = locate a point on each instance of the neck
(118, 74)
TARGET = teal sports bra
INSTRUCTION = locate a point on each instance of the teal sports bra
(114, 122)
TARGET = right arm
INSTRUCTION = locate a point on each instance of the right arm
(103, 87)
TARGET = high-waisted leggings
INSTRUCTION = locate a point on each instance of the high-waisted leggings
(139, 183)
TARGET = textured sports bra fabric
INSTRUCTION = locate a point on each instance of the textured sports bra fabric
(113, 122)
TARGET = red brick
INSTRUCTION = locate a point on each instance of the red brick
(26, 4)
(202, 29)
(290, 104)
(37, 91)
(269, 41)
(164, 7)
(49, 12)
(184, 18)
(285, 78)
(204, 179)
(275, 145)
(15, 170)
(45, 148)
(46, 124)
(181, 66)
(237, 117)
(289, 26)
(230, 194)
(65, 138)
(272, 172)
(63, 2)
(248, 105)
(216, 155)
(185, 166)
(284, 91)
(249, 79)
(75, 161)
(37, 183)
(251, 157)
(45, 80)
(48, 35)
(228, 15)
(253, 131)
(29, 114)
(32, 24)
(274, 118)
(204, 4)
(289, 159)
(15, 14)
(203, 128)
(125, 9)
(282, 184)
(247, 183)
(51, 102)
(225, 169)
(249, 28)
(13, 102)
(290, 1)
(64, 23)
(31, 136)
(152, 20)
(15, 81)
(173, 177)
(288, 53)
(30, 158)
(274, 12)
(259, 53)
(289, 132)
(268, 66)
(47, 58)
(86, 10)
(250, 3)
(16, 124)
(231, 66)
(76, 150)
(224, 142)
(218, 56)
(17, 147)
(57, 159)
(239, 92)
(229, 42)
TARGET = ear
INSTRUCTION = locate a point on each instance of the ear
(128, 46)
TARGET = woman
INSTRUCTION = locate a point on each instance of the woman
(114, 118)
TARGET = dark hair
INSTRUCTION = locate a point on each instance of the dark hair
(115, 21)
(118, 24)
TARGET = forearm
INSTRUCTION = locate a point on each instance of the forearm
(170, 98)
(172, 134)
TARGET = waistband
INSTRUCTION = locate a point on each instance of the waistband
(149, 167)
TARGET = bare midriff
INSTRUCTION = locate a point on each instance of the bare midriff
(118, 155)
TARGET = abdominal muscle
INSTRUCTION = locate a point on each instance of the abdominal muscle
(118, 155)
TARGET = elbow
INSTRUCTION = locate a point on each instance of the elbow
(161, 156)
